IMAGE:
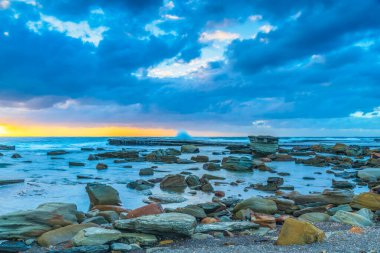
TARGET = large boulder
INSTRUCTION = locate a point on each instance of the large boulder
(352, 219)
(163, 155)
(339, 148)
(314, 217)
(368, 200)
(95, 236)
(189, 149)
(336, 197)
(257, 204)
(237, 163)
(225, 226)
(369, 174)
(177, 224)
(61, 235)
(173, 182)
(263, 145)
(101, 194)
(33, 223)
(140, 185)
(299, 232)
(129, 155)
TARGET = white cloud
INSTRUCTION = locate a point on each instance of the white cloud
(81, 30)
(261, 124)
(317, 58)
(98, 11)
(4, 4)
(369, 115)
(66, 104)
(255, 18)
(172, 17)
(267, 28)
(170, 5)
(6, 34)
(218, 36)
(296, 16)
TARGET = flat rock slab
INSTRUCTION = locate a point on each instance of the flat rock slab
(11, 181)
(176, 224)
(226, 226)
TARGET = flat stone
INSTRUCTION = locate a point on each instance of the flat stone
(314, 217)
(225, 226)
(351, 219)
(257, 204)
(95, 236)
(84, 249)
(167, 198)
(11, 181)
(140, 238)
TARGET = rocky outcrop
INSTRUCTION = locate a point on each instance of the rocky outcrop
(237, 163)
(101, 194)
(369, 174)
(299, 232)
(163, 155)
(38, 221)
(57, 152)
(200, 158)
(140, 185)
(263, 145)
(189, 149)
(368, 200)
(175, 224)
(6, 147)
(129, 155)
(327, 197)
(173, 182)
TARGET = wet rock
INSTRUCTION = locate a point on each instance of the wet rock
(110, 216)
(200, 236)
(314, 217)
(130, 155)
(189, 149)
(299, 232)
(373, 162)
(263, 145)
(87, 149)
(336, 197)
(211, 166)
(312, 209)
(16, 156)
(368, 200)
(101, 166)
(6, 147)
(333, 210)
(339, 148)
(212, 177)
(11, 181)
(351, 219)
(95, 236)
(84, 249)
(225, 226)
(192, 210)
(38, 221)
(281, 158)
(76, 164)
(184, 161)
(139, 238)
(121, 247)
(173, 182)
(257, 204)
(101, 194)
(200, 158)
(342, 184)
(369, 174)
(193, 181)
(95, 220)
(145, 210)
(237, 163)
(167, 198)
(12, 246)
(61, 235)
(177, 224)
(146, 172)
(57, 152)
(114, 208)
(308, 178)
(140, 185)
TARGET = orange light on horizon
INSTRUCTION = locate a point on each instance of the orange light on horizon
(73, 131)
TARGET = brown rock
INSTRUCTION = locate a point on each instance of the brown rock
(299, 232)
(145, 210)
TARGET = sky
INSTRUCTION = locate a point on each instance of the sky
(211, 68)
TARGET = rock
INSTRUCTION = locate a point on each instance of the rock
(225, 226)
(368, 200)
(336, 197)
(193, 181)
(177, 224)
(84, 249)
(257, 204)
(76, 164)
(146, 172)
(369, 174)
(110, 216)
(117, 209)
(5, 147)
(264, 220)
(92, 157)
(101, 166)
(299, 232)
(366, 213)
(200, 158)
(192, 210)
(161, 155)
(61, 235)
(87, 149)
(101, 194)
(95, 220)
(339, 148)
(140, 185)
(333, 210)
(200, 236)
(312, 209)
(263, 145)
(139, 238)
(16, 156)
(184, 161)
(343, 184)
(167, 198)
(11, 246)
(11, 181)
(173, 182)
(314, 217)
(237, 163)
(351, 219)
(211, 166)
(38, 221)
(121, 247)
(57, 152)
(209, 220)
(145, 210)
(129, 155)
(189, 149)
(95, 236)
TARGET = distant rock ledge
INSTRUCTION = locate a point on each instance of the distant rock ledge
(166, 142)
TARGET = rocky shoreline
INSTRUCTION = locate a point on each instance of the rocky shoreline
(282, 221)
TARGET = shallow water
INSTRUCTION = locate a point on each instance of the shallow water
(52, 180)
